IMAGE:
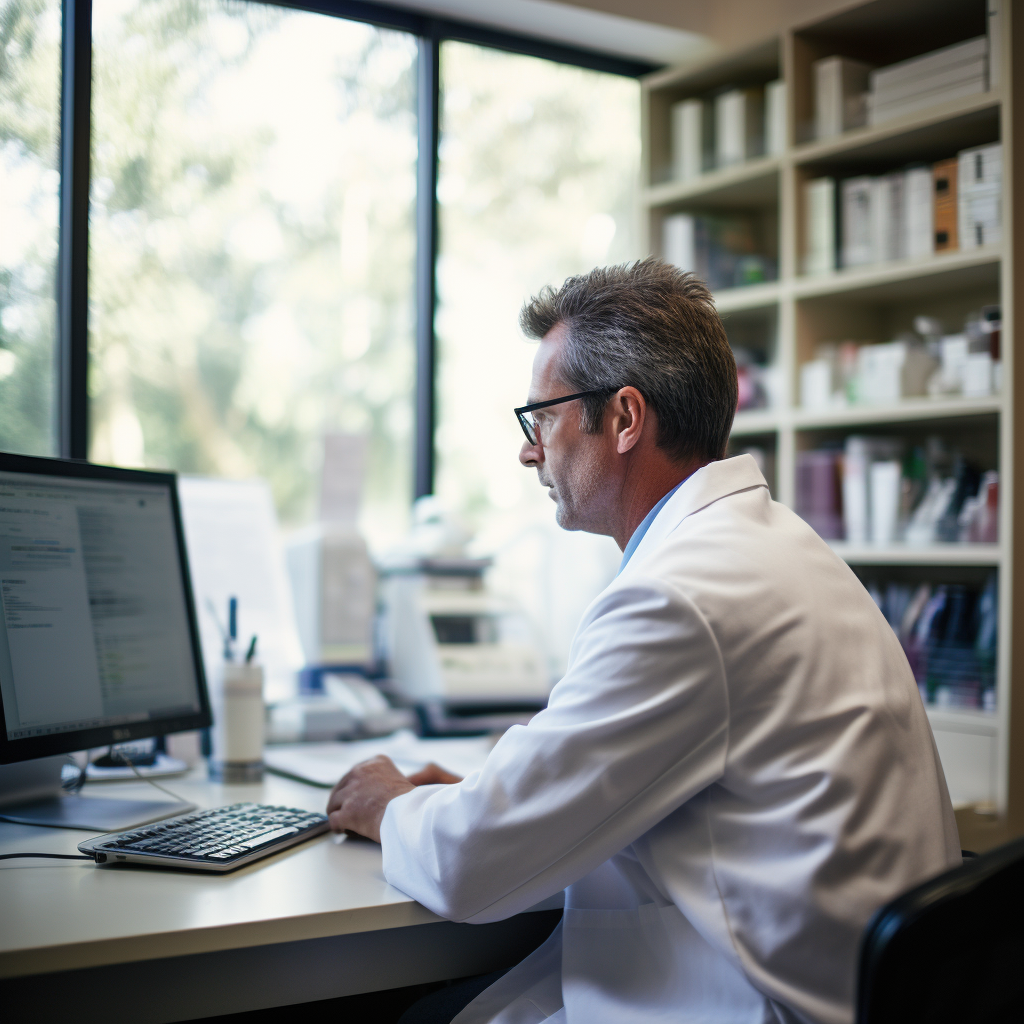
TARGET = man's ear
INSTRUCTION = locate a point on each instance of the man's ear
(629, 414)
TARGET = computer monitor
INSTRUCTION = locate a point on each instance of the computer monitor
(98, 637)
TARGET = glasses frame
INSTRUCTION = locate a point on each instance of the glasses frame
(524, 410)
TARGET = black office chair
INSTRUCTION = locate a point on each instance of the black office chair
(950, 951)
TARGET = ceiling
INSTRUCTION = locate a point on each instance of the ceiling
(657, 31)
(574, 25)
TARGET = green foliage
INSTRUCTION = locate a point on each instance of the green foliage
(232, 318)
(29, 91)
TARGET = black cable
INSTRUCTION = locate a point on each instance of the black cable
(48, 856)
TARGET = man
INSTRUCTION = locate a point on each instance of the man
(735, 771)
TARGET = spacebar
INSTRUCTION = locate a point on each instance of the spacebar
(268, 837)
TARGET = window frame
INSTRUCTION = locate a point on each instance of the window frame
(75, 152)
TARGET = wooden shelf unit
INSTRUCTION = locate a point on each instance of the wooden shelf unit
(875, 303)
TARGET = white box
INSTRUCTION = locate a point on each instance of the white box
(980, 217)
(995, 42)
(775, 117)
(858, 242)
(739, 126)
(918, 208)
(678, 241)
(687, 139)
(838, 85)
(816, 384)
(979, 194)
(880, 368)
(820, 225)
(978, 377)
(980, 167)
(855, 489)
(877, 112)
(926, 64)
(885, 501)
(887, 216)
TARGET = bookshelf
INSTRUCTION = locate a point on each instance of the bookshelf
(782, 322)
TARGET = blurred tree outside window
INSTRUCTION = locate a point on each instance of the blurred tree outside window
(251, 246)
(30, 74)
(538, 180)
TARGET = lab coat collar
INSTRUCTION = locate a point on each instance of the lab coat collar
(704, 487)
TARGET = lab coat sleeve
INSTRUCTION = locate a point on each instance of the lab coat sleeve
(637, 726)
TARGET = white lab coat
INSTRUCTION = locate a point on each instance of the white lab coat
(735, 771)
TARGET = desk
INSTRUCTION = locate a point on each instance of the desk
(314, 922)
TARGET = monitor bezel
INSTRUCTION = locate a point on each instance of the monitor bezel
(30, 747)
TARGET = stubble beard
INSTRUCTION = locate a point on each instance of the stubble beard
(577, 504)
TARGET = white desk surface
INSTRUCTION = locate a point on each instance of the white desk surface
(62, 915)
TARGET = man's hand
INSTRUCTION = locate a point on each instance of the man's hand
(431, 774)
(358, 802)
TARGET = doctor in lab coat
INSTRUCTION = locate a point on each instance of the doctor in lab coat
(736, 769)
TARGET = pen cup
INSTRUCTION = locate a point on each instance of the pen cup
(238, 724)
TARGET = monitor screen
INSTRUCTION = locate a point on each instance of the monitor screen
(97, 629)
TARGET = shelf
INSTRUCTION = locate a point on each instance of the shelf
(940, 131)
(753, 183)
(904, 279)
(980, 723)
(910, 409)
(758, 63)
(752, 296)
(903, 554)
(755, 421)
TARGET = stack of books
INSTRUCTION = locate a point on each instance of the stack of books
(912, 85)
(874, 491)
(979, 192)
(949, 632)
(919, 210)
(840, 92)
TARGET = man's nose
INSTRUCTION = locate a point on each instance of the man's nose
(531, 455)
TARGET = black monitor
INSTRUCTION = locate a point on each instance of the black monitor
(98, 637)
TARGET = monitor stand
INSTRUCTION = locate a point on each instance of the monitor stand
(30, 794)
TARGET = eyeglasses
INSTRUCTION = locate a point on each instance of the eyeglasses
(525, 412)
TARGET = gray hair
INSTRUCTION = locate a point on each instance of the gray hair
(654, 327)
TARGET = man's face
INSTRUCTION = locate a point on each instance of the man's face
(570, 463)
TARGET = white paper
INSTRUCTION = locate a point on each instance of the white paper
(341, 481)
(324, 763)
(234, 551)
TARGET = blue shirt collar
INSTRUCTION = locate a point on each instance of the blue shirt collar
(638, 533)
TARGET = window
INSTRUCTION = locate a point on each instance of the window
(30, 61)
(252, 245)
(538, 174)
(246, 174)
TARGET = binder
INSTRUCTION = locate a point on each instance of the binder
(857, 232)
(775, 117)
(944, 211)
(840, 85)
(819, 226)
(918, 232)
(739, 126)
(687, 139)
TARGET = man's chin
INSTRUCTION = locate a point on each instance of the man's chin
(565, 518)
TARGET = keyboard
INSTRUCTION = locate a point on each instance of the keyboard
(220, 839)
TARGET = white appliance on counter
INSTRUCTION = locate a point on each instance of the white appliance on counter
(448, 638)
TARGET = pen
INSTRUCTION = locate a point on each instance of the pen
(252, 650)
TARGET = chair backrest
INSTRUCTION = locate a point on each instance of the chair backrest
(950, 951)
